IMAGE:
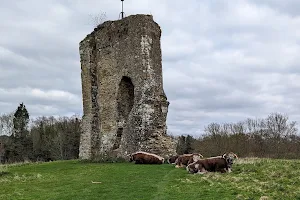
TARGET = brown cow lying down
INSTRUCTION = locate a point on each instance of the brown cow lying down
(141, 157)
(214, 164)
(172, 159)
(185, 159)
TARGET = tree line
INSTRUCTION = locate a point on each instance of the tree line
(44, 139)
(273, 137)
(50, 138)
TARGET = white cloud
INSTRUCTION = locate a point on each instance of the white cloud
(223, 61)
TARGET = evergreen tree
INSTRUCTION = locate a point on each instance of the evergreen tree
(188, 144)
(21, 119)
(185, 144)
(180, 149)
(20, 148)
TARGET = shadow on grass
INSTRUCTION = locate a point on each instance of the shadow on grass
(4, 173)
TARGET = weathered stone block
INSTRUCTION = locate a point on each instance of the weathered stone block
(124, 105)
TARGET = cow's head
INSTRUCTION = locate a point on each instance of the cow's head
(232, 155)
(229, 159)
(196, 157)
(131, 158)
(192, 168)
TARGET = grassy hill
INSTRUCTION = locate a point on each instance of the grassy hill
(251, 179)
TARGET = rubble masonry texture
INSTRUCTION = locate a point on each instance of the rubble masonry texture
(124, 104)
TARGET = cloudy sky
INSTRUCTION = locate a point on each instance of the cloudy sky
(223, 61)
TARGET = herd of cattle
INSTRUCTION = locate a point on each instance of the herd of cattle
(194, 163)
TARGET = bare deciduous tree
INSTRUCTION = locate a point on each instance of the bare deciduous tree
(275, 136)
(6, 124)
(278, 126)
(97, 19)
(213, 129)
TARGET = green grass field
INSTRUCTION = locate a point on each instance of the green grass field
(250, 179)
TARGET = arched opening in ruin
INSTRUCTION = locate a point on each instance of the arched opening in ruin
(125, 101)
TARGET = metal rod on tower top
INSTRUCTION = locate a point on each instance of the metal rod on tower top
(122, 10)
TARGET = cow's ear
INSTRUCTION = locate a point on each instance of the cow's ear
(224, 155)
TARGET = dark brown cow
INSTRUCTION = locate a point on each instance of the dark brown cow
(141, 157)
(214, 164)
(185, 159)
(172, 159)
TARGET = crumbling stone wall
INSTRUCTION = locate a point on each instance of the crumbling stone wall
(124, 104)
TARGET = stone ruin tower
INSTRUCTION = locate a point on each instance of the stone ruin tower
(124, 104)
